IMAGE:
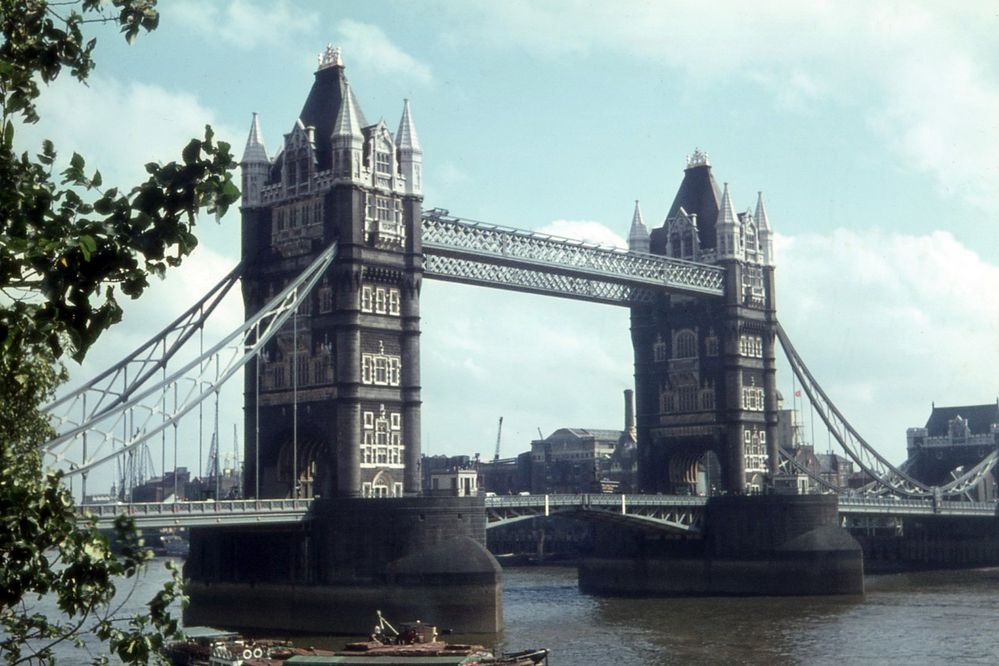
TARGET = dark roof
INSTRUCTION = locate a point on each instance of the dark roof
(699, 194)
(586, 433)
(980, 418)
(321, 109)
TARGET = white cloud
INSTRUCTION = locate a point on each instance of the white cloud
(890, 323)
(922, 72)
(246, 25)
(119, 127)
(368, 47)
(584, 230)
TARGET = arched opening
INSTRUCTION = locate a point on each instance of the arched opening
(694, 473)
(306, 466)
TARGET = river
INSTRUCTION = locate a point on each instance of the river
(916, 618)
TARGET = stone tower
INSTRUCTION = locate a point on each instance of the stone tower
(706, 399)
(338, 389)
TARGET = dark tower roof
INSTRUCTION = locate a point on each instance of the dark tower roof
(980, 418)
(321, 109)
(699, 194)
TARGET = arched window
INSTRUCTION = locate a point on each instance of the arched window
(685, 345)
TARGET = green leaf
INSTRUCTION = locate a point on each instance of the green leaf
(88, 246)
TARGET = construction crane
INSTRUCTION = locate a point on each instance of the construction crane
(499, 435)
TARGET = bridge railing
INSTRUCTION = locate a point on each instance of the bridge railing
(140, 510)
(593, 499)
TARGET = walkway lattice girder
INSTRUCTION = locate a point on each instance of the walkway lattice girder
(519, 260)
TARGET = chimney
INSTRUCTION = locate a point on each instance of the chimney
(629, 411)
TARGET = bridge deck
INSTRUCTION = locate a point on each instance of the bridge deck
(678, 512)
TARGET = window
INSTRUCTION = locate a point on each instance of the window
(384, 205)
(687, 399)
(668, 402)
(380, 300)
(711, 345)
(383, 162)
(751, 346)
(686, 345)
(381, 369)
(325, 298)
(381, 441)
(659, 349)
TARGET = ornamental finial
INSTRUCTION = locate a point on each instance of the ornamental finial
(330, 57)
(697, 158)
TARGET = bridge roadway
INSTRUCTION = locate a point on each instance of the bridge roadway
(675, 512)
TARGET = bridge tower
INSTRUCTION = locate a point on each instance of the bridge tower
(705, 376)
(334, 401)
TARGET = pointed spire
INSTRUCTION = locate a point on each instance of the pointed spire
(728, 228)
(761, 214)
(766, 232)
(406, 138)
(255, 151)
(726, 212)
(348, 121)
(638, 236)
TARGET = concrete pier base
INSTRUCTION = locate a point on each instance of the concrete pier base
(413, 558)
(761, 545)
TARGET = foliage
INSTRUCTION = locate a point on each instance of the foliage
(66, 244)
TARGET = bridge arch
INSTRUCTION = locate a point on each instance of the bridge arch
(305, 462)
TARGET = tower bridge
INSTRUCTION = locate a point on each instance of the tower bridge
(335, 248)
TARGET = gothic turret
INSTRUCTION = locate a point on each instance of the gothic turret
(638, 236)
(766, 233)
(728, 229)
(254, 166)
(410, 154)
(346, 139)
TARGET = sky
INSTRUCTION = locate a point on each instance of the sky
(872, 129)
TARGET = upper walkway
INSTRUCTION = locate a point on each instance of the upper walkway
(674, 512)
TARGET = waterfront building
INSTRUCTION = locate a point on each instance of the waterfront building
(954, 440)
(586, 460)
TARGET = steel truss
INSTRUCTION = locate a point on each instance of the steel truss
(485, 254)
(131, 416)
(886, 478)
(672, 513)
(118, 383)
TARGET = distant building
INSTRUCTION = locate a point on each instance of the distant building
(507, 476)
(454, 483)
(954, 440)
(586, 460)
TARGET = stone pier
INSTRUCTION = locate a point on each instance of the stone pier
(411, 558)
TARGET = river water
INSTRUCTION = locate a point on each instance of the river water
(921, 618)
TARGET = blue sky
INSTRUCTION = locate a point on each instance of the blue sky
(872, 129)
